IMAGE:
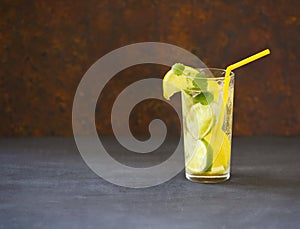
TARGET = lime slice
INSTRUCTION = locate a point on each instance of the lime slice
(189, 145)
(200, 120)
(201, 158)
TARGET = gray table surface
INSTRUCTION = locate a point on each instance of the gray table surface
(44, 183)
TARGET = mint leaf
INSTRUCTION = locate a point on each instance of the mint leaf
(200, 82)
(204, 98)
(178, 69)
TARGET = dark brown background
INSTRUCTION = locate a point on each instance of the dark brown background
(47, 46)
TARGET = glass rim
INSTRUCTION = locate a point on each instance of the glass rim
(212, 78)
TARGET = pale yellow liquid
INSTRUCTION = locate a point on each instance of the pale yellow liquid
(219, 138)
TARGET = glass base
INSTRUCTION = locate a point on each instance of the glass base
(211, 179)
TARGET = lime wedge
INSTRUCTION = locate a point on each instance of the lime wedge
(172, 83)
(200, 120)
(178, 78)
(201, 158)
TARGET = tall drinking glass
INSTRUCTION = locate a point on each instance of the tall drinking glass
(207, 127)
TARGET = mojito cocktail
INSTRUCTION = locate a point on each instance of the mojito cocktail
(207, 130)
(207, 120)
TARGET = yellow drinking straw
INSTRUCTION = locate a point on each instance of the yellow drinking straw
(237, 65)
(227, 80)
(246, 61)
(216, 133)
